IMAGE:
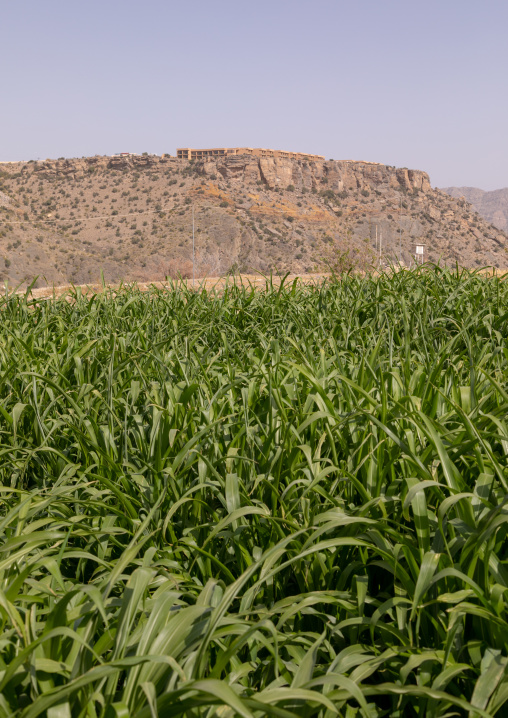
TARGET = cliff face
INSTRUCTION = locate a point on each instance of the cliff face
(338, 175)
(65, 220)
(492, 206)
(275, 173)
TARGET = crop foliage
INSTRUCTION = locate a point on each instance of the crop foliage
(288, 502)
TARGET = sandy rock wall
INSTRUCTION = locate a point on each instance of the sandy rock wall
(339, 175)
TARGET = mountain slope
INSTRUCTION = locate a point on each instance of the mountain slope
(493, 206)
(131, 217)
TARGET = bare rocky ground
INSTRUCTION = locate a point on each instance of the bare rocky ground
(492, 206)
(66, 221)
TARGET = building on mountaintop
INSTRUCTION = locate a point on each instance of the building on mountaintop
(188, 153)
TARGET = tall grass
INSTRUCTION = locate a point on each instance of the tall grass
(282, 503)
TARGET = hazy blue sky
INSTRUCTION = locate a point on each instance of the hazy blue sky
(412, 83)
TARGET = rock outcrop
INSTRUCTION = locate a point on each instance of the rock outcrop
(339, 175)
(131, 216)
(492, 206)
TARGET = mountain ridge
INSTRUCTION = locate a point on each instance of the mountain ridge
(491, 204)
(131, 218)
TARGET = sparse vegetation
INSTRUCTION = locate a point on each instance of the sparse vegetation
(52, 202)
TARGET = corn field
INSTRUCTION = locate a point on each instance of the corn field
(287, 503)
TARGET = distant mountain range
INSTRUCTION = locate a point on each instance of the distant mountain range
(492, 206)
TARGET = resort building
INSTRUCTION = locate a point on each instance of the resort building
(188, 153)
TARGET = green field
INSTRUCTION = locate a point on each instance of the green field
(289, 502)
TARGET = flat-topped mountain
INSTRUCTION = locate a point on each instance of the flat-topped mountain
(131, 217)
(493, 206)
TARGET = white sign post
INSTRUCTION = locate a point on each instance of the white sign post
(419, 252)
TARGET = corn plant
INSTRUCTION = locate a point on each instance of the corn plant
(289, 502)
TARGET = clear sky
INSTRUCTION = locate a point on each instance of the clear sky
(412, 83)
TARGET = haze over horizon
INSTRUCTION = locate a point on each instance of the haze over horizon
(417, 85)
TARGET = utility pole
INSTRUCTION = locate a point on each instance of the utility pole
(193, 253)
(380, 245)
(400, 231)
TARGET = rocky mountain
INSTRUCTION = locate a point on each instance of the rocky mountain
(131, 218)
(493, 206)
